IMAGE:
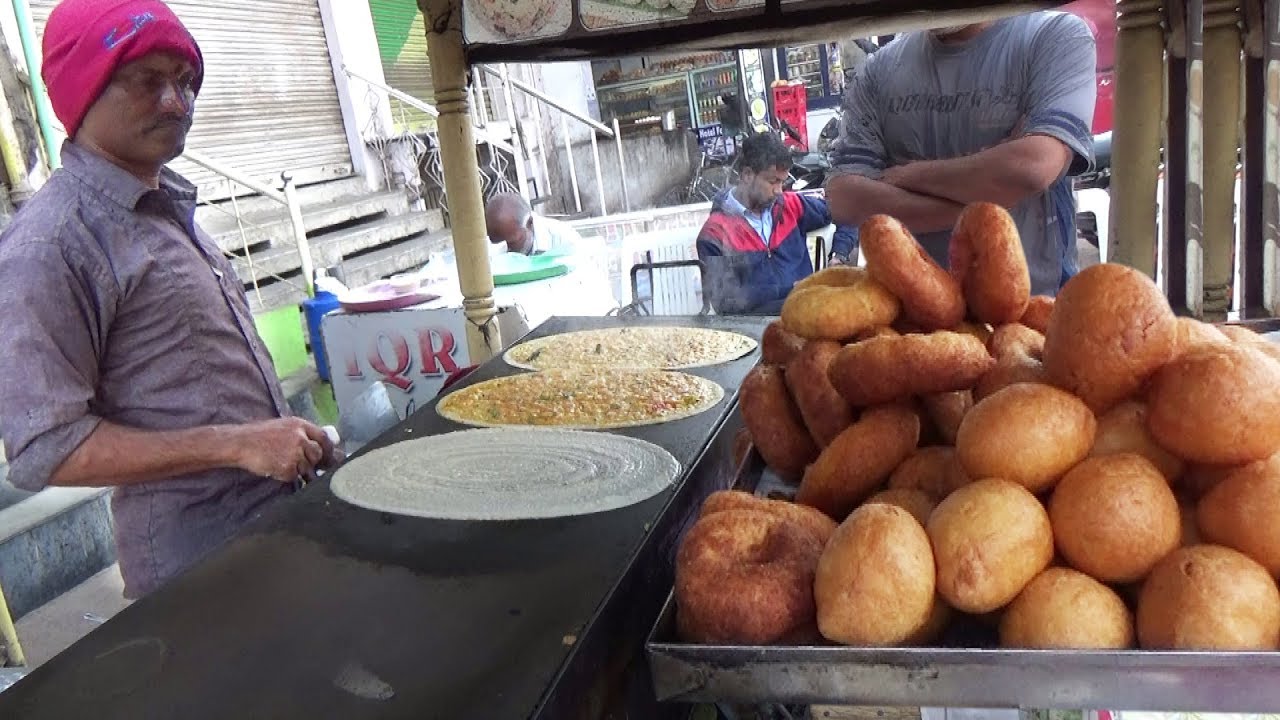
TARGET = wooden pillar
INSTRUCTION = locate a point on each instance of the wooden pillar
(462, 175)
(1135, 153)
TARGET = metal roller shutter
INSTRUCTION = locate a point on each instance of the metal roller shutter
(402, 43)
(269, 102)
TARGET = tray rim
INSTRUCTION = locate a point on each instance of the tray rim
(1119, 680)
(1141, 680)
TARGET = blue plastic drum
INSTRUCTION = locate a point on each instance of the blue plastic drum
(315, 309)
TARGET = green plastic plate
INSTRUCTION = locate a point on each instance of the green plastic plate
(514, 269)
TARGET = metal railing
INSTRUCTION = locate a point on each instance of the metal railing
(494, 180)
(286, 196)
(482, 134)
(413, 154)
(566, 113)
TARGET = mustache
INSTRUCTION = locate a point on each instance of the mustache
(183, 121)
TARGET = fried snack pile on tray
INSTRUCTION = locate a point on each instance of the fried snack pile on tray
(1089, 472)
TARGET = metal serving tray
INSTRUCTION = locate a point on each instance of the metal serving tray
(965, 673)
(961, 677)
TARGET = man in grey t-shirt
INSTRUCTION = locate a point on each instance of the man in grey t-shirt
(995, 112)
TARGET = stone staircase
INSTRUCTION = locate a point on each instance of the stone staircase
(366, 235)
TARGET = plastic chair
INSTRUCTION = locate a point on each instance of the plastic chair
(820, 253)
(678, 297)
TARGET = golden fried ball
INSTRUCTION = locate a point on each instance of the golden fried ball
(1123, 429)
(1028, 433)
(990, 538)
(1114, 517)
(1209, 597)
(917, 502)
(1240, 513)
(1217, 404)
(1193, 332)
(875, 580)
(1110, 330)
(1062, 609)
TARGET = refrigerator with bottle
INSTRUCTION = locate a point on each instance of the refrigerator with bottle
(693, 92)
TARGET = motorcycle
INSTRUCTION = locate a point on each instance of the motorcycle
(1097, 179)
(809, 171)
(808, 168)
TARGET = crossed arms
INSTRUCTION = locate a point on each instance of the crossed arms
(928, 195)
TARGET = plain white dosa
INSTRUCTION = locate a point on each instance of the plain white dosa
(506, 474)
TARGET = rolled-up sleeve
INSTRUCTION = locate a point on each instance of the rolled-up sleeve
(51, 333)
(860, 147)
(1063, 87)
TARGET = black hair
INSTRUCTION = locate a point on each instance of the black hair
(764, 151)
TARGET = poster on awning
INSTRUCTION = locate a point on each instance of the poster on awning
(518, 21)
(541, 30)
(606, 14)
(505, 21)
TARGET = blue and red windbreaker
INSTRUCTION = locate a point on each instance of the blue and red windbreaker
(746, 277)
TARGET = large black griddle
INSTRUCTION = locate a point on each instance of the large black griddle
(325, 610)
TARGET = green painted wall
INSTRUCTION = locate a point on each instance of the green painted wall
(286, 339)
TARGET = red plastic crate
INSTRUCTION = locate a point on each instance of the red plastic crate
(791, 104)
(790, 96)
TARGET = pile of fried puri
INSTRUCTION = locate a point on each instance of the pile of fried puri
(1087, 473)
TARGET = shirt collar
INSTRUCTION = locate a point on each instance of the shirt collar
(735, 207)
(117, 184)
(539, 231)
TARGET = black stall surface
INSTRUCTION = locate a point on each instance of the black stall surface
(325, 610)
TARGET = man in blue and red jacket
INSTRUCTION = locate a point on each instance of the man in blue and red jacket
(754, 244)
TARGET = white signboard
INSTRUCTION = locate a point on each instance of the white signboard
(412, 352)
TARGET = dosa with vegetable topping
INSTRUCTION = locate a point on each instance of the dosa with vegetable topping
(662, 348)
(594, 399)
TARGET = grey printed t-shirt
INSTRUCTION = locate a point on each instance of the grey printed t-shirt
(919, 99)
(117, 307)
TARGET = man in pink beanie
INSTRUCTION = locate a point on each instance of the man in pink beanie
(86, 41)
(132, 360)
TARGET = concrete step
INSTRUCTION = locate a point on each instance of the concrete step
(309, 195)
(275, 294)
(272, 226)
(382, 262)
(328, 249)
(9, 495)
(51, 542)
(400, 257)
